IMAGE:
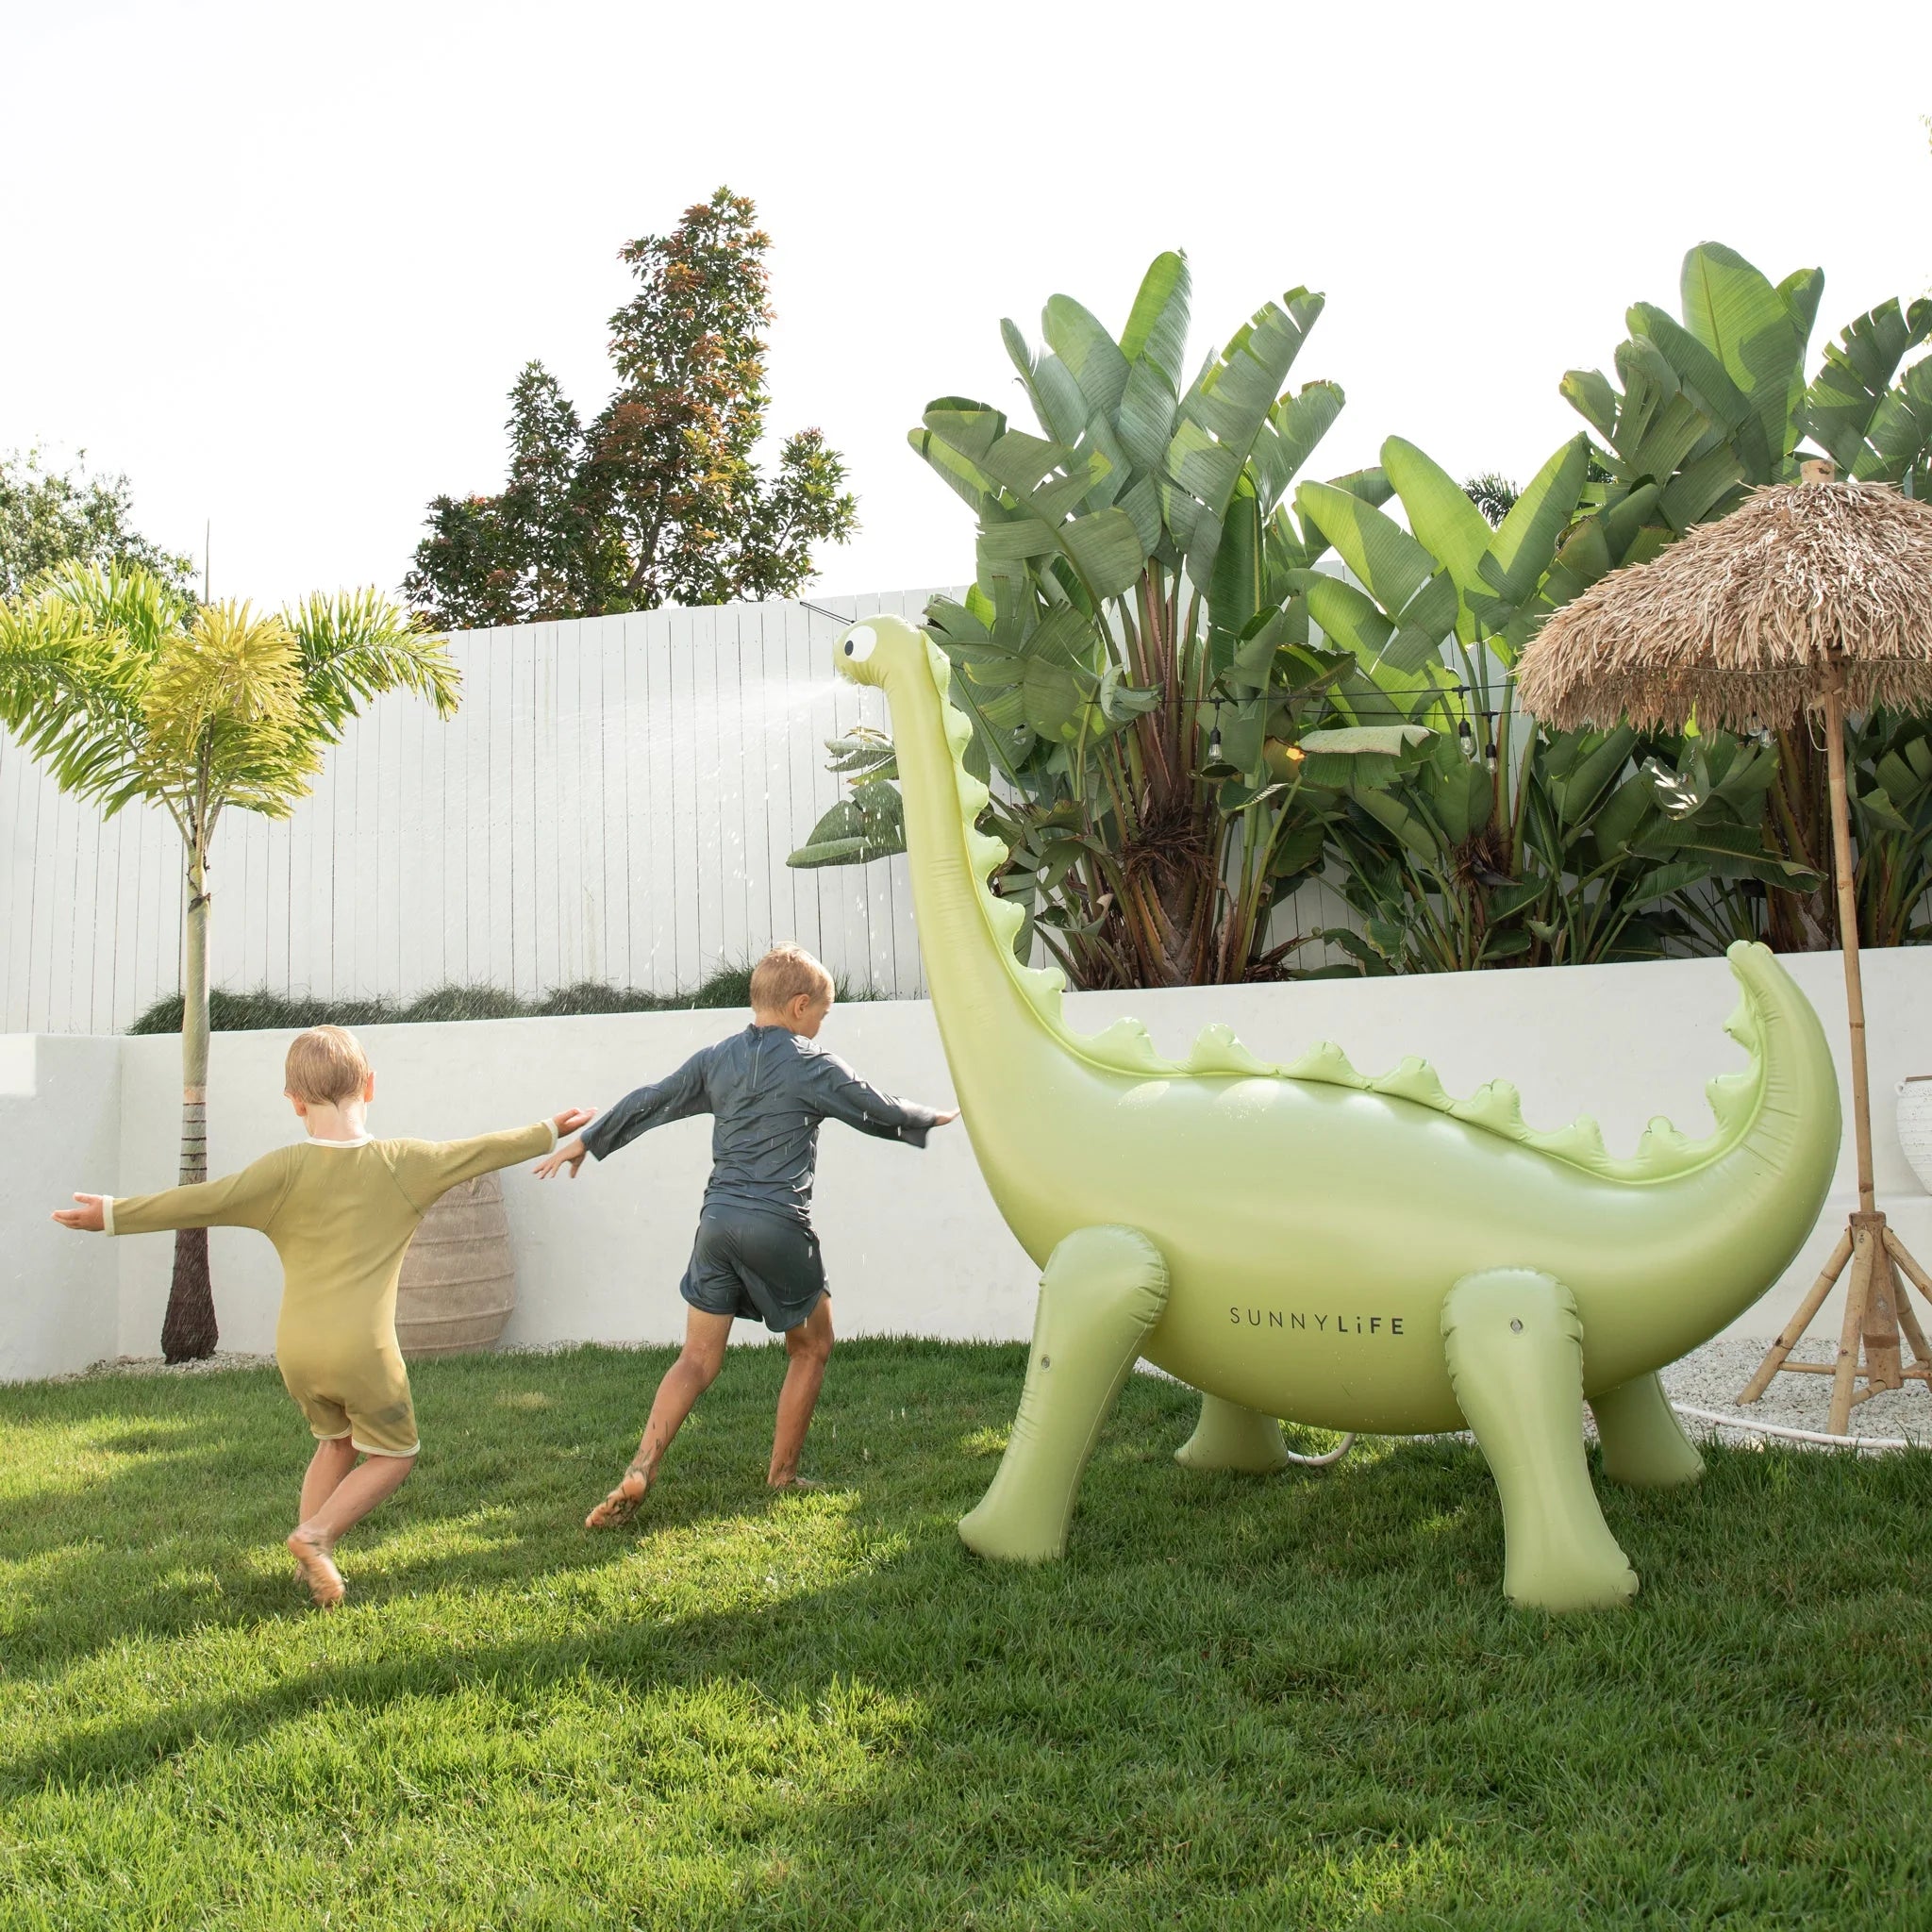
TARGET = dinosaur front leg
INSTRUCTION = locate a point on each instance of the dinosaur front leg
(1514, 1343)
(1102, 1289)
(1233, 1438)
(1645, 1443)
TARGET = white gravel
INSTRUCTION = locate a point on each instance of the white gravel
(1710, 1378)
(218, 1363)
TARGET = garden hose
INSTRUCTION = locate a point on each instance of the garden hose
(1327, 1458)
(1885, 1444)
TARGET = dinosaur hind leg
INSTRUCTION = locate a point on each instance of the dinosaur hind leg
(1233, 1438)
(1645, 1443)
(1514, 1343)
(1102, 1289)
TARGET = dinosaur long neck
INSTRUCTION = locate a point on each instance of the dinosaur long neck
(998, 1043)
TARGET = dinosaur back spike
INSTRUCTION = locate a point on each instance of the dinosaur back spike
(1497, 1108)
(1415, 1079)
(1581, 1144)
(1326, 1063)
(1217, 1051)
(1126, 1043)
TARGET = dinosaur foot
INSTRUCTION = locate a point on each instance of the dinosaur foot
(1007, 1536)
(1644, 1445)
(1513, 1341)
(1588, 1572)
(1231, 1437)
(1104, 1288)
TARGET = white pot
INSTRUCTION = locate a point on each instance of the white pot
(1915, 1125)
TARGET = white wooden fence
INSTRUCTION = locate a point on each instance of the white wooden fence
(614, 801)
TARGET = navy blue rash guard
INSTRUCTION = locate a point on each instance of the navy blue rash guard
(767, 1090)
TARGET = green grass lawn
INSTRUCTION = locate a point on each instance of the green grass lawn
(1294, 1701)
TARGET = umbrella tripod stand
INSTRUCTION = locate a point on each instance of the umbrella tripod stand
(1876, 1304)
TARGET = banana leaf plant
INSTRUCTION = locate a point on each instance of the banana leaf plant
(1506, 844)
(1710, 405)
(1135, 654)
(1890, 759)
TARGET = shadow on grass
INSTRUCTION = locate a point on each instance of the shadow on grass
(1224, 1674)
(531, 1442)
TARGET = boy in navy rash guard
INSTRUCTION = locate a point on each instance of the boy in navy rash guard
(755, 1255)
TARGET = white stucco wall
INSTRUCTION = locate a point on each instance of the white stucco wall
(912, 1243)
(60, 1118)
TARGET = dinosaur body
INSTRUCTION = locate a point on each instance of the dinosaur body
(1305, 1241)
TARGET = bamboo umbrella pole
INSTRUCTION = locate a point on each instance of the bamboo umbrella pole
(1871, 1306)
(1907, 1318)
(1848, 923)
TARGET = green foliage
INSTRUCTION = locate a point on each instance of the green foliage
(1244, 1704)
(1165, 669)
(1889, 761)
(657, 500)
(1582, 845)
(124, 690)
(1134, 656)
(871, 822)
(1494, 494)
(53, 517)
(727, 988)
(1712, 406)
(1506, 844)
(1718, 403)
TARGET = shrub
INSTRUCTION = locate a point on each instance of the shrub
(265, 1011)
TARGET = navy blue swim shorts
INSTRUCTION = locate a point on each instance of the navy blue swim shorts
(757, 1267)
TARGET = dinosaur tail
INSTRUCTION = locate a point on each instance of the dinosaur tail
(1701, 1229)
(1779, 1114)
(1782, 1113)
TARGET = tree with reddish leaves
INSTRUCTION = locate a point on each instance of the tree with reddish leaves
(660, 499)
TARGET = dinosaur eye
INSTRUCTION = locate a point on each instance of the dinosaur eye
(859, 640)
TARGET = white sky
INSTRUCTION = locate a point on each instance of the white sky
(282, 263)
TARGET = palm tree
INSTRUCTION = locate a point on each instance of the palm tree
(127, 689)
(1494, 494)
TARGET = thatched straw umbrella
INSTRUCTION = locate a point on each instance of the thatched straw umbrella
(1813, 596)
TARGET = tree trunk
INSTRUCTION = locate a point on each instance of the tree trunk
(188, 1330)
(1798, 825)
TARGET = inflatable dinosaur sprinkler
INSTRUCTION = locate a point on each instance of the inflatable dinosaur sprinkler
(1302, 1242)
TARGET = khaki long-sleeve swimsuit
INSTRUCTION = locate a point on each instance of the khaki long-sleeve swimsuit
(340, 1214)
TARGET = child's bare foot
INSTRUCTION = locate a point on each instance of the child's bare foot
(622, 1502)
(803, 1483)
(314, 1558)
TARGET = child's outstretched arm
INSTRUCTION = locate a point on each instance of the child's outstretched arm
(840, 1095)
(247, 1199)
(425, 1170)
(675, 1098)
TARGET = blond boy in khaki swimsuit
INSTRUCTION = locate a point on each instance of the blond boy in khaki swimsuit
(340, 1207)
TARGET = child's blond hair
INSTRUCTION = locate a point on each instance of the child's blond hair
(784, 973)
(325, 1067)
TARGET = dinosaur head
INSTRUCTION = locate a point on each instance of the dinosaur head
(879, 650)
